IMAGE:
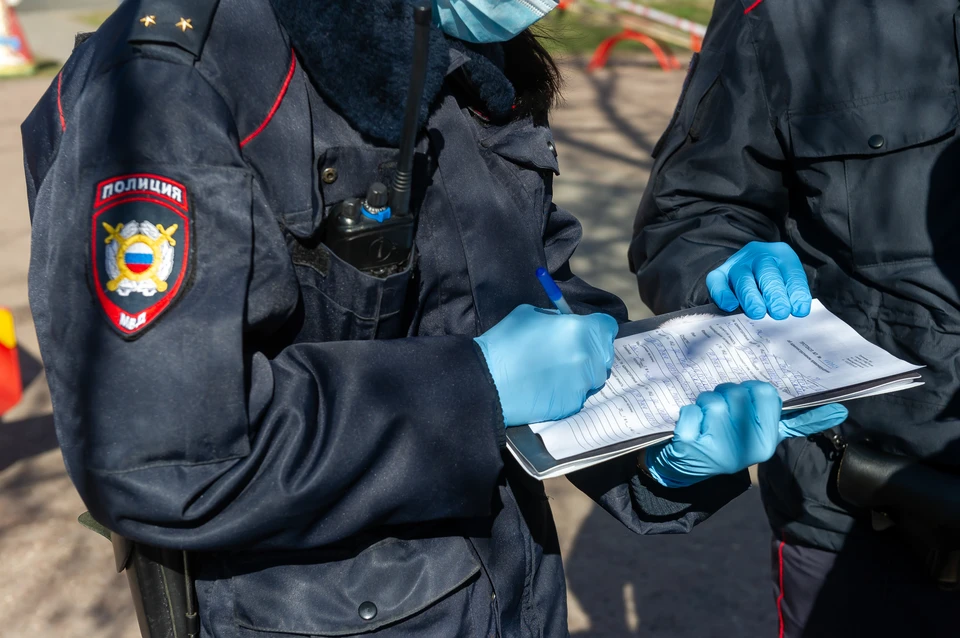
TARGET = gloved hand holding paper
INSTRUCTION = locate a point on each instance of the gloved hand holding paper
(728, 430)
(762, 277)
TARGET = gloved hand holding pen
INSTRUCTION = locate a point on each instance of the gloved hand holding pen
(544, 364)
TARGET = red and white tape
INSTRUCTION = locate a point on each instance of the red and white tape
(658, 16)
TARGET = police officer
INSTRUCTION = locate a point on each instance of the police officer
(327, 441)
(816, 142)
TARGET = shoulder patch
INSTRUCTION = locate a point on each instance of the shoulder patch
(141, 234)
(182, 23)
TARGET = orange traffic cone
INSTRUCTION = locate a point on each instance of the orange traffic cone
(15, 55)
(11, 387)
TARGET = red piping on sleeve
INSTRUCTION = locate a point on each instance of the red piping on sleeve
(751, 7)
(63, 122)
(276, 104)
(780, 597)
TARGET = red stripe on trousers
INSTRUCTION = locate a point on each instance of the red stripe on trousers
(780, 597)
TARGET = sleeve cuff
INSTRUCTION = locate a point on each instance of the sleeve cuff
(646, 507)
(688, 506)
(500, 430)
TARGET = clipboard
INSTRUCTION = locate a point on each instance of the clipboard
(528, 448)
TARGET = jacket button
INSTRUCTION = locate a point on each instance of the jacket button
(367, 610)
(553, 149)
(329, 175)
(876, 141)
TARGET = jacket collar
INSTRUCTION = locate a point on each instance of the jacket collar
(358, 56)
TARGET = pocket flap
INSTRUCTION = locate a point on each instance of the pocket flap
(342, 172)
(385, 583)
(348, 171)
(876, 125)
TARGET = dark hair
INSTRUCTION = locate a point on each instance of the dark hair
(534, 75)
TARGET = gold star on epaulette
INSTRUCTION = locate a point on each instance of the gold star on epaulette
(148, 20)
(184, 24)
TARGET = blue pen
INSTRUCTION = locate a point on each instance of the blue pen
(553, 291)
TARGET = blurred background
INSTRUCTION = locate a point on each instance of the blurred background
(58, 580)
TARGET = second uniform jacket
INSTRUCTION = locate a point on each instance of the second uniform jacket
(328, 444)
(832, 126)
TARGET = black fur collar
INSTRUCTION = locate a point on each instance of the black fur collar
(359, 53)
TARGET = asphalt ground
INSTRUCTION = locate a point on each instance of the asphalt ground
(57, 579)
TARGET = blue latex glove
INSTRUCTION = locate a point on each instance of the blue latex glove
(730, 429)
(760, 277)
(544, 364)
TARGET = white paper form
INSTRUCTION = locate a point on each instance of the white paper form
(657, 372)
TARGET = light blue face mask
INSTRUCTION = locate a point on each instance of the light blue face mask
(488, 20)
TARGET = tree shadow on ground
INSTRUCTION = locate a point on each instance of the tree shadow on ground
(713, 582)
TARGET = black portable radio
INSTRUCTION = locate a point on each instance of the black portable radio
(376, 234)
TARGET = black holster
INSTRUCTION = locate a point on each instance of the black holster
(922, 503)
(161, 582)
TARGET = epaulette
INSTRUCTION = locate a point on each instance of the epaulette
(182, 23)
(81, 38)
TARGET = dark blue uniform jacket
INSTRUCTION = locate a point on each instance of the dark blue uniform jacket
(223, 383)
(831, 126)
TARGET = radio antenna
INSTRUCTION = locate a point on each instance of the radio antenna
(400, 193)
